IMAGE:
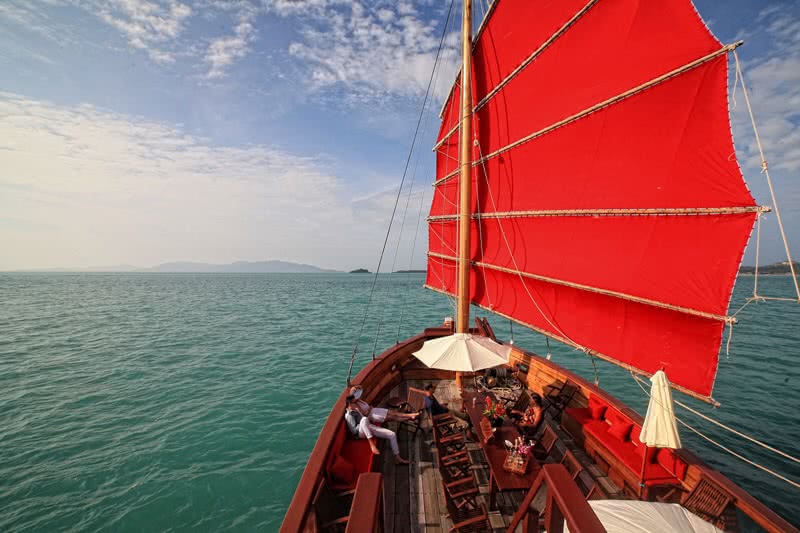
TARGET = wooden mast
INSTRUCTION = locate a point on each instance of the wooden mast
(465, 193)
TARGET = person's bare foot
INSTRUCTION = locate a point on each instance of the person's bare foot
(400, 461)
(375, 449)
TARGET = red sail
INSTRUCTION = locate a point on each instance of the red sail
(611, 211)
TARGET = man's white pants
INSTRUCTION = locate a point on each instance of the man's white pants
(368, 431)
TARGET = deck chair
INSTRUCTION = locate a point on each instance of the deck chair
(413, 403)
(708, 501)
(516, 408)
(462, 490)
(558, 398)
(572, 464)
(542, 449)
(467, 520)
(594, 491)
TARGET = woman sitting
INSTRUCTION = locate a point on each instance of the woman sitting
(531, 419)
(360, 426)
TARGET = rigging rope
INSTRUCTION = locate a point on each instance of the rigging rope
(514, 260)
(638, 381)
(765, 170)
(421, 200)
(397, 200)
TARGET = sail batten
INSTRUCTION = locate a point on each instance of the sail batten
(666, 211)
(483, 265)
(610, 209)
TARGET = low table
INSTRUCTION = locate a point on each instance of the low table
(499, 479)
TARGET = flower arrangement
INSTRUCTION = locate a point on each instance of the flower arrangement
(520, 447)
(517, 456)
(494, 409)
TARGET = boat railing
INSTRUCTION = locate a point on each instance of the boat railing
(366, 512)
(565, 504)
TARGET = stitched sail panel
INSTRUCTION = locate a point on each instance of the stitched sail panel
(666, 146)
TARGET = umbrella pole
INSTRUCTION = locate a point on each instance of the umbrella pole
(641, 478)
(458, 381)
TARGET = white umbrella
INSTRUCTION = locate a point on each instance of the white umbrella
(463, 352)
(644, 517)
(659, 430)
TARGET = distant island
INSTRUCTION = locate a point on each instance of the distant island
(239, 267)
(775, 268)
(360, 271)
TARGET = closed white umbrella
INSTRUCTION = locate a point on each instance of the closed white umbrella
(660, 429)
(463, 352)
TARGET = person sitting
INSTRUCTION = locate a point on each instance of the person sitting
(531, 420)
(360, 426)
(435, 408)
(378, 415)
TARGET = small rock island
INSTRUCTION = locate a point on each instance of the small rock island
(360, 271)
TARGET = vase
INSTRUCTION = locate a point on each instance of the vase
(496, 421)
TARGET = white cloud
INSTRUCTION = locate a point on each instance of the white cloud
(224, 51)
(82, 187)
(773, 82)
(373, 50)
(147, 25)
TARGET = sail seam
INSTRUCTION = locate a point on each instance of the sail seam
(597, 107)
(589, 288)
(611, 212)
(588, 351)
(514, 73)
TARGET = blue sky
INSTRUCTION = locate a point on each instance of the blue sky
(144, 131)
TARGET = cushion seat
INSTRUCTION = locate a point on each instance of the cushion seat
(354, 451)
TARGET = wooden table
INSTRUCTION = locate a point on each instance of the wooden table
(499, 479)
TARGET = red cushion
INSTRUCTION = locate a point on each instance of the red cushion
(598, 411)
(596, 401)
(620, 431)
(597, 428)
(671, 463)
(614, 417)
(343, 470)
(359, 454)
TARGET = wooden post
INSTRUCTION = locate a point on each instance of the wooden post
(462, 318)
(641, 478)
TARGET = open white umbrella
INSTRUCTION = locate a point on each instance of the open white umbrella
(463, 352)
(660, 429)
(645, 517)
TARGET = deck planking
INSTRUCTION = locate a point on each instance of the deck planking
(413, 495)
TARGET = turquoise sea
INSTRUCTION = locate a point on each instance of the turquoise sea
(176, 402)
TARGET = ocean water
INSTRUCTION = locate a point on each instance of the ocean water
(176, 402)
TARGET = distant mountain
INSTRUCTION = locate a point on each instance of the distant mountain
(775, 268)
(242, 267)
(410, 271)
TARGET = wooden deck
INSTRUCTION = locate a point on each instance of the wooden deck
(413, 498)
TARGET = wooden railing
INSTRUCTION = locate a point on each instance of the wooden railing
(377, 377)
(543, 372)
(366, 513)
(565, 504)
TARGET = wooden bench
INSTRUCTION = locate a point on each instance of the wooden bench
(333, 511)
(611, 439)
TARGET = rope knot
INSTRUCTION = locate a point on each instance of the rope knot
(764, 165)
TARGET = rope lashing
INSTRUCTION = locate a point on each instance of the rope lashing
(397, 200)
